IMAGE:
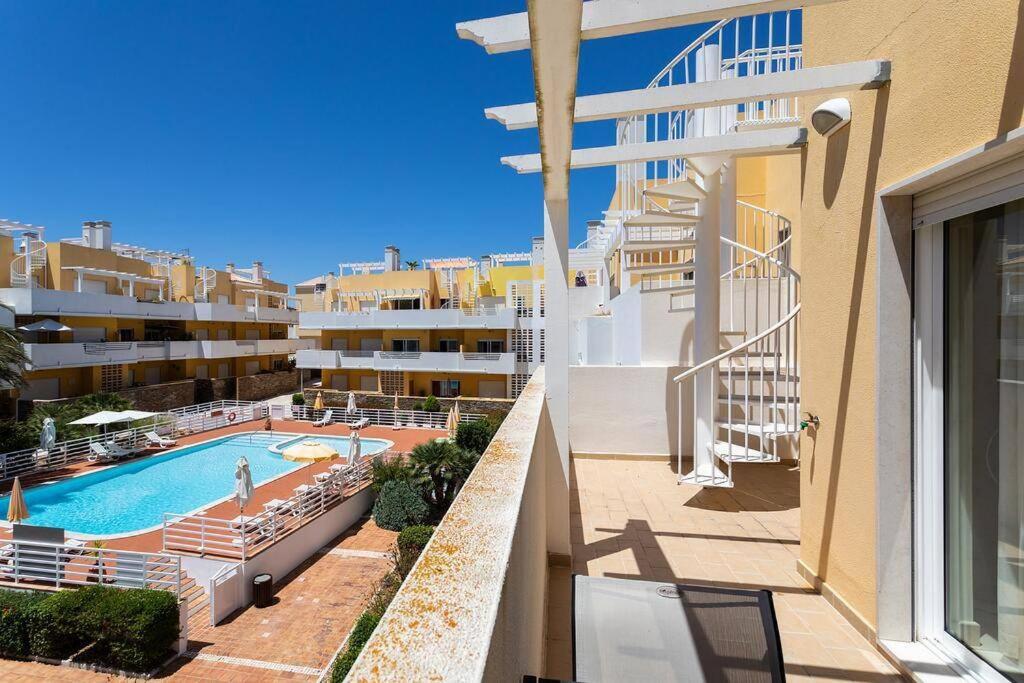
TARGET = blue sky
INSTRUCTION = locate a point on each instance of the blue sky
(302, 133)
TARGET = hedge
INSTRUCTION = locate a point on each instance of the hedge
(130, 629)
(475, 436)
(411, 542)
(359, 636)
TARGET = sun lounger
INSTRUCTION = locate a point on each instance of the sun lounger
(116, 450)
(359, 424)
(160, 441)
(325, 420)
(100, 453)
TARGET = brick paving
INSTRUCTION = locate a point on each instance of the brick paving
(630, 519)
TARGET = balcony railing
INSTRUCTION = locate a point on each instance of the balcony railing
(485, 317)
(408, 361)
(473, 606)
(40, 301)
(79, 354)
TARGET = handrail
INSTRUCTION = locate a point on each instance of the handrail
(733, 351)
(761, 255)
(686, 52)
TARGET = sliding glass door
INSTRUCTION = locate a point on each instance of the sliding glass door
(983, 434)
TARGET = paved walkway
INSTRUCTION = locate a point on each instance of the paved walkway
(292, 640)
(632, 520)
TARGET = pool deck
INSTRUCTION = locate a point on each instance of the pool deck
(282, 487)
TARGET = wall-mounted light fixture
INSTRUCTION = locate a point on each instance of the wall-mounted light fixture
(831, 115)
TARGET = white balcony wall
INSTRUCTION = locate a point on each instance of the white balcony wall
(44, 356)
(38, 301)
(484, 363)
(426, 319)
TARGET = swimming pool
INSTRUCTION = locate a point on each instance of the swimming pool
(134, 496)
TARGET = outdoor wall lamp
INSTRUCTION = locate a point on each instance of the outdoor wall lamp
(831, 115)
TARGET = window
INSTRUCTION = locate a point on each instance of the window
(490, 346)
(405, 345)
(983, 366)
(446, 388)
(448, 345)
(405, 304)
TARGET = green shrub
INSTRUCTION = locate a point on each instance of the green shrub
(298, 400)
(411, 542)
(442, 468)
(136, 628)
(359, 636)
(14, 436)
(390, 469)
(57, 630)
(475, 436)
(431, 404)
(399, 505)
(131, 629)
(17, 610)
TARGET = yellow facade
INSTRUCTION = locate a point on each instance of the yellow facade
(951, 91)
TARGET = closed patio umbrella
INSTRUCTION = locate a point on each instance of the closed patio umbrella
(351, 407)
(450, 425)
(17, 511)
(318, 404)
(395, 411)
(354, 448)
(244, 490)
(48, 435)
(458, 415)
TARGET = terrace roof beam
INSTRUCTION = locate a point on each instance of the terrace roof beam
(607, 18)
(864, 75)
(753, 143)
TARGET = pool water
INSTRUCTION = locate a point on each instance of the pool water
(135, 495)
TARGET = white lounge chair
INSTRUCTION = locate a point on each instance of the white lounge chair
(325, 420)
(160, 441)
(359, 424)
(117, 450)
(99, 453)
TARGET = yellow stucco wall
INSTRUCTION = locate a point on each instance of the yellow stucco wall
(957, 80)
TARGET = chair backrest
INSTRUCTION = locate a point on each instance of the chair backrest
(97, 448)
(38, 534)
(153, 436)
(328, 415)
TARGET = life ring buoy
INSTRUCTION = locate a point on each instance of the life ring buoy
(231, 417)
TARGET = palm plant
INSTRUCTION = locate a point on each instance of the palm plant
(443, 468)
(412, 265)
(12, 358)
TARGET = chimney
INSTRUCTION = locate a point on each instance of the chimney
(96, 234)
(229, 267)
(537, 253)
(485, 265)
(391, 258)
(257, 271)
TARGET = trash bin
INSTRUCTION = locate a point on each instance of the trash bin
(263, 589)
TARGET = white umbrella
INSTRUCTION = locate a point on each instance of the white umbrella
(106, 417)
(243, 483)
(354, 446)
(351, 407)
(48, 435)
(46, 325)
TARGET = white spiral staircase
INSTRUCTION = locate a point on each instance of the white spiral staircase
(29, 263)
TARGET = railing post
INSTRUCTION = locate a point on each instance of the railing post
(177, 577)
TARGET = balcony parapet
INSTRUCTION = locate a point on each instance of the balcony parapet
(54, 302)
(423, 319)
(472, 608)
(414, 361)
(82, 354)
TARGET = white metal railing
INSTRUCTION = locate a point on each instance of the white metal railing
(33, 564)
(227, 573)
(660, 258)
(29, 257)
(656, 282)
(731, 48)
(191, 419)
(244, 535)
(761, 393)
(652, 233)
(389, 417)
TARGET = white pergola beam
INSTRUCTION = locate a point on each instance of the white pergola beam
(818, 80)
(607, 18)
(754, 143)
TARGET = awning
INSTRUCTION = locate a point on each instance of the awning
(106, 417)
(46, 325)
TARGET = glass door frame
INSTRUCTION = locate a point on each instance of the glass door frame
(929, 458)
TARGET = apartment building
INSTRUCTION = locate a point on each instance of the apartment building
(99, 315)
(449, 327)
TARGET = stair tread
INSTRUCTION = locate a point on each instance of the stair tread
(731, 452)
(739, 399)
(769, 428)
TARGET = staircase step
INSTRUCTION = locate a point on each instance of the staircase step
(715, 477)
(730, 452)
(741, 399)
(661, 218)
(769, 429)
(680, 189)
